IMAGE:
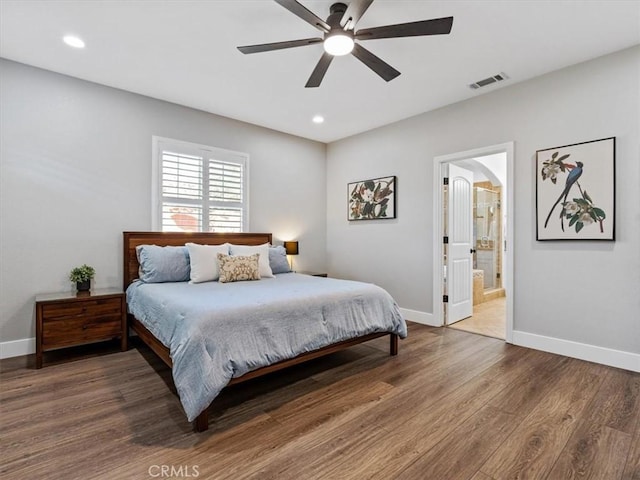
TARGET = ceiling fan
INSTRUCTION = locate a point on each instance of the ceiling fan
(340, 35)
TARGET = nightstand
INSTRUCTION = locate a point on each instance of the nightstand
(69, 319)
(313, 274)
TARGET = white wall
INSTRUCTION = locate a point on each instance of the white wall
(75, 171)
(497, 164)
(584, 292)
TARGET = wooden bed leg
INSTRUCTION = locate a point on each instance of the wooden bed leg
(393, 344)
(201, 423)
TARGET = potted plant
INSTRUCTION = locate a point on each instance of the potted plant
(82, 276)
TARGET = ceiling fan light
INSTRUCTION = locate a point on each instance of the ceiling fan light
(338, 44)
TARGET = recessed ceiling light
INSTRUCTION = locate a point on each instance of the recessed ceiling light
(318, 119)
(73, 41)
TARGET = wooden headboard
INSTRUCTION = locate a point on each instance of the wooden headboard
(132, 239)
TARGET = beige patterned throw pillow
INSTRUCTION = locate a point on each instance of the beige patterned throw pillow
(235, 269)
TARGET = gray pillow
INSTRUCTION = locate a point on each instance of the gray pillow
(278, 260)
(163, 264)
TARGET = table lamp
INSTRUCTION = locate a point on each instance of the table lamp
(292, 249)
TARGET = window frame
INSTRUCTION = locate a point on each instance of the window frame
(160, 144)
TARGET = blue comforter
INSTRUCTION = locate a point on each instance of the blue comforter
(218, 331)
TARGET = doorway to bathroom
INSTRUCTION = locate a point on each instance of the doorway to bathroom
(473, 209)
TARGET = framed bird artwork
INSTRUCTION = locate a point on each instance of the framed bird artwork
(575, 191)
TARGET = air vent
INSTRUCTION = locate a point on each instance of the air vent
(488, 81)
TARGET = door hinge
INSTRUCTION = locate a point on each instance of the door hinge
(445, 239)
(445, 181)
(445, 298)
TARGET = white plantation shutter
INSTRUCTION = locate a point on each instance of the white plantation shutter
(181, 175)
(199, 188)
(225, 181)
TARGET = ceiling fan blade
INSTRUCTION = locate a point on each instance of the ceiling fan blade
(267, 47)
(354, 12)
(306, 15)
(386, 71)
(436, 26)
(318, 73)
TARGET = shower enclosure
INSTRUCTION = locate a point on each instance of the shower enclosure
(487, 228)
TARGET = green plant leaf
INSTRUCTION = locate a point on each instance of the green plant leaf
(564, 157)
(586, 196)
(554, 155)
(600, 213)
(579, 226)
(369, 185)
(82, 273)
(574, 219)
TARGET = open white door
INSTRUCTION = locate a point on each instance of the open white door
(459, 255)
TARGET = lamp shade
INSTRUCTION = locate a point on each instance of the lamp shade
(291, 248)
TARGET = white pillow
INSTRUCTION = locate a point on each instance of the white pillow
(263, 250)
(204, 261)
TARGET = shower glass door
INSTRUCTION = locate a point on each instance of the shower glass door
(487, 232)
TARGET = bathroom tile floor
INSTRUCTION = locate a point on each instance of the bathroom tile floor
(489, 319)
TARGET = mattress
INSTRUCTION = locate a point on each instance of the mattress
(218, 331)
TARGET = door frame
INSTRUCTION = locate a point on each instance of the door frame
(438, 253)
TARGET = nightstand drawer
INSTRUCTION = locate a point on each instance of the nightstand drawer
(89, 307)
(73, 330)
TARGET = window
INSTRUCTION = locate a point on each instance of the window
(198, 188)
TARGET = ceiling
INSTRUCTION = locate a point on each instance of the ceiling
(184, 51)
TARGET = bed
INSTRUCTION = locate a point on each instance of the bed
(217, 334)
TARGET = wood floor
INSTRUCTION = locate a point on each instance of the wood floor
(451, 405)
(489, 318)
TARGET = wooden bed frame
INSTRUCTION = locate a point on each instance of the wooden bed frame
(130, 273)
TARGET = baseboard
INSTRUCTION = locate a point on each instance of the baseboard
(582, 351)
(26, 346)
(591, 353)
(17, 348)
(419, 317)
